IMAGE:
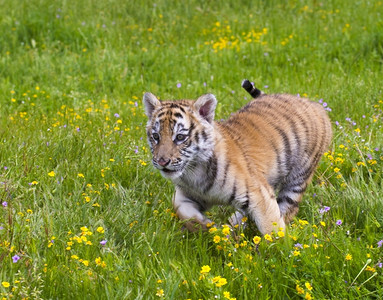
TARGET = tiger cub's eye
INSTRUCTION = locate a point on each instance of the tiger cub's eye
(156, 136)
(180, 137)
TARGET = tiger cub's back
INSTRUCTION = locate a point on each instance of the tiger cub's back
(282, 136)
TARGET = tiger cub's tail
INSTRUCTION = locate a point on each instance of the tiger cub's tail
(251, 89)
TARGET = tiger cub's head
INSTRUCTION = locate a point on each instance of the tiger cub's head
(180, 133)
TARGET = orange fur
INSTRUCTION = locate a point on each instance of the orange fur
(260, 160)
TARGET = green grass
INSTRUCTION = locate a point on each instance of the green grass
(72, 75)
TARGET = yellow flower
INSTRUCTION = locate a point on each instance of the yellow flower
(205, 269)
(160, 293)
(323, 223)
(336, 170)
(256, 240)
(308, 296)
(296, 253)
(226, 230)
(219, 281)
(299, 290)
(217, 239)
(308, 286)
(5, 284)
(100, 229)
(268, 237)
(348, 257)
(80, 175)
(85, 262)
(281, 234)
(51, 174)
(213, 229)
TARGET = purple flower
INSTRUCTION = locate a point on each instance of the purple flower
(324, 209)
(369, 156)
(266, 86)
(116, 115)
(297, 245)
(380, 265)
(204, 84)
(103, 242)
(336, 123)
(320, 100)
(15, 258)
(338, 222)
(5, 203)
(78, 129)
(324, 104)
(136, 150)
(178, 85)
(376, 149)
(1, 227)
(380, 243)
(135, 104)
(5, 168)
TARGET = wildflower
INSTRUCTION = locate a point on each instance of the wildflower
(160, 293)
(85, 262)
(205, 269)
(348, 257)
(323, 223)
(256, 240)
(297, 245)
(217, 239)
(338, 222)
(268, 237)
(5, 284)
(226, 230)
(178, 85)
(51, 174)
(370, 269)
(308, 286)
(219, 281)
(213, 229)
(300, 291)
(80, 175)
(296, 253)
(5, 204)
(15, 258)
(100, 229)
(103, 242)
(308, 296)
(380, 243)
(281, 234)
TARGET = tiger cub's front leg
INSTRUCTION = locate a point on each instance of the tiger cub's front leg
(190, 211)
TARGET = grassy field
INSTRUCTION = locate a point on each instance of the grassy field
(84, 215)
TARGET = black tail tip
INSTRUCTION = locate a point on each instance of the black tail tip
(251, 89)
(246, 84)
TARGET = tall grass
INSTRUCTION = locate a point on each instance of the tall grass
(83, 213)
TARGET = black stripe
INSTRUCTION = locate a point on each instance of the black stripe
(245, 204)
(178, 115)
(204, 135)
(196, 137)
(225, 174)
(288, 200)
(160, 114)
(233, 193)
(212, 167)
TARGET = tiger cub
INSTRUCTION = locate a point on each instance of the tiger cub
(260, 160)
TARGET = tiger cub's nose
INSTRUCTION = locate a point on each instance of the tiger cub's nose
(163, 162)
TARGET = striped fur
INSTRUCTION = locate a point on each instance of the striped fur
(260, 160)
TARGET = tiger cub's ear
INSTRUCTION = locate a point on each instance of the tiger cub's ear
(205, 105)
(150, 102)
